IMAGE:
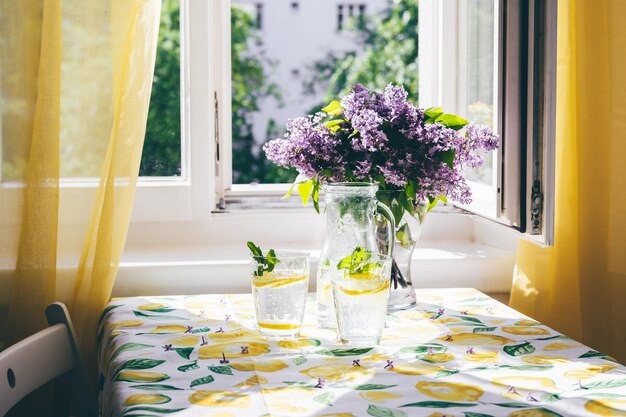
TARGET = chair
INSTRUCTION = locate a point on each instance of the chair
(43, 357)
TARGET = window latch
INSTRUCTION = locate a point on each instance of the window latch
(217, 132)
(536, 208)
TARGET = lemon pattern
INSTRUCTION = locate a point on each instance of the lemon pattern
(458, 353)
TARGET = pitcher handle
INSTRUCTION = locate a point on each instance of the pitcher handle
(391, 225)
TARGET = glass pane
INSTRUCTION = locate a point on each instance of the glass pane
(291, 58)
(480, 102)
(162, 147)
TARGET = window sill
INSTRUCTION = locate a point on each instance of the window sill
(225, 270)
(456, 249)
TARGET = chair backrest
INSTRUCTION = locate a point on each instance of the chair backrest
(43, 357)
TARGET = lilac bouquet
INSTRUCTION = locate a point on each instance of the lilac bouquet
(416, 156)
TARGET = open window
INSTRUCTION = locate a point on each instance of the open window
(246, 66)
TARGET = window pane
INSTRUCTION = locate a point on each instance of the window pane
(162, 147)
(479, 106)
(291, 58)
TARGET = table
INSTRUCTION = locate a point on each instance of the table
(457, 353)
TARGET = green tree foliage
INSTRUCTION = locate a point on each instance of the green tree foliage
(387, 53)
(161, 150)
(249, 86)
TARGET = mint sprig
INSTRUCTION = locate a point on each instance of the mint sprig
(265, 263)
(358, 262)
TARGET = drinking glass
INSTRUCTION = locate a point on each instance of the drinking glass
(280, 293)
(360, 296)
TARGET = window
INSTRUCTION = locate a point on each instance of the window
(162, 151)
(472, 62)
(518, 73)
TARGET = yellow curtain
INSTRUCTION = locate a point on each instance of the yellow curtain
(579, 285)
(75, 83)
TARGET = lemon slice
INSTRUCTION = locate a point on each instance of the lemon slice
(364, 288)
(363, 276)
(278, 326)
(272, 281)
(607, 407)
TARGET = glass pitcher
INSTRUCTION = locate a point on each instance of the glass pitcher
(351, 208)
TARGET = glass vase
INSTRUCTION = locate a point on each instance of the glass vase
(407, 234)
(351, 210)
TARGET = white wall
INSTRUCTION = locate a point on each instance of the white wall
(295, 39)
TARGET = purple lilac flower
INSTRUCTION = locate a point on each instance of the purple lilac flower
(383, 138)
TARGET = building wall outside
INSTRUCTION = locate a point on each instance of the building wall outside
(295, 34)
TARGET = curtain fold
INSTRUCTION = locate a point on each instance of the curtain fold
(75, 84)
(579, 285)
(37, 238)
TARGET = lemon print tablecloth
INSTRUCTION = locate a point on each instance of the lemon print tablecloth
(458, 353)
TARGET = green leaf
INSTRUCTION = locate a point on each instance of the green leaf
(138, 364)
(108, 309)
(397, 210)
(299, 384)
(433, 112)
(154, 410)
(404, 202)
(344, 351)
(483, 329)
(184, 352)
(527, 367)
(604, 395)
(256, 251)
(435, 347)
(299, 360)
(447, 157)
(514, 367)
(189, 367)
(139, 378)
(128, 346)
(334, 124)
(452, 121)
(379, 411)
(411, 190)
(201, 381)
(546, 411)
(288, 193)
(519, 350)
(333, 108)
(158, 316)
(370, 387)
(613, 383)
(446, 372)
(472, 319)
(202, 330)
(223, 370)
(156, 387)
(469, 414)
(592, 354)
(511, 405)
(325, 398)
(438, 404)
(315, 195)
(560, 336)
(272, 260)
(550, 398)
(304, 189)
(432, 202)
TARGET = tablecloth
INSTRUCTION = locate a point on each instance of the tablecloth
(457, 353)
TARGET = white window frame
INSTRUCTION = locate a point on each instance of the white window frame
(510, 200)
(189, 208)
(208, 186)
